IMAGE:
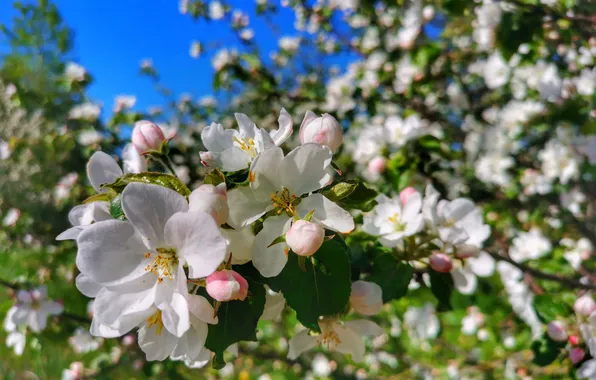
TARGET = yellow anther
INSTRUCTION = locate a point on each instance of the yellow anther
(284, 202)
(155, 319)
(164, 264)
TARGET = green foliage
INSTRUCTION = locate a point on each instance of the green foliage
(392, 276)
(547, 310)
(353, 194)
(161, 179)
(546, 350)
(441, 285)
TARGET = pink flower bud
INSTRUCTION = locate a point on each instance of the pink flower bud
(556, 331)
(465, 251)
(305, 238)
(147, 137)
(324, 130)
(405, 193)
(584, 305)
(573, 339)
(227, 285)
(576, 355)
(211, 199)
(440, 262)
(366, 297)
(376, 166)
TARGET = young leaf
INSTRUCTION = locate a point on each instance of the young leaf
(162, 179)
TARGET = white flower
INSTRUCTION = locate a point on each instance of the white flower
(83, 342)
(232, 150)
(530, 245)
(550, 83)
(587, 370)
(12, 217)
(493, 168)
(17, 341)
(216, 10)
(5, 150)
(289, 44)
(144, 257)
(223, 57)
(274, 305)
(345, 338)
(405, 73)
(472, 321)
(577, 251)
(392, 220)
(366, 297)
(124, 102)
(496, 71)
(400, 131)
(85, 111)
(586, 82)
(410, 25)
(74, 372)
(422, 322)
(276, 184)
(89, 137)
(74, 72)
(535, 183)
(321, 366)
(559, 162)
(32, 309)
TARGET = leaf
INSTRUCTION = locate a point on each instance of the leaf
(545, 351)
(237, 319)
(340, 190)
(101, 197)
(392, 276)
(215, 177)
(237, 179)
(323, 288)
(441, 284)
(116, 208)
(352, 194)
(162, 179)
(548, 309)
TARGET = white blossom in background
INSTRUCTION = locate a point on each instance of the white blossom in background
(85, 111)
(576, 252)
(89, 137)
(496, 71)
(422, 323)
(82, 341)
(74, 72)
(32, 309)
(400, 131)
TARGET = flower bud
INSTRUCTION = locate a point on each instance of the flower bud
(324, 130)
(227, 285)
(556, 331)
(440, 262)
(305, 238)
(405, 193)
(465, 251)
(576, 355)
(147, 137)
(573, 339)
(366, 297)
(585, 305)
(211, 199)
(376, 166)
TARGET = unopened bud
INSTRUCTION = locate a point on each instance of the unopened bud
(556, 331)
(573, 339)
(324, 130)
(212, 200)
(147, 137)
(440, 262)
(465, 251)
(305, 238)
(376, 166)
(405, 194)
(366, 297)
(227, 285)
(576, 355)
(585, 305)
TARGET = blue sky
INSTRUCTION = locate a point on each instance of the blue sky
(113, 37)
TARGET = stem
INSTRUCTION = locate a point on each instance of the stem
(165, 161)
(564, 281)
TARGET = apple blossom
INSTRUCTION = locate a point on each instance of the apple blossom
(226, 285)
(147, 137)
(366, 297)
(305, 238)
(556, 331)
(440, 262)
(324, 130)
(32, 309)
(585, 305)
(274, 305)
(211, 200)
(576, 355)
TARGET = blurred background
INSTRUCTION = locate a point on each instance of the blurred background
(503, 90)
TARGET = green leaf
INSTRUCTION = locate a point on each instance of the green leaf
(352, 194)
(549, 309)
(101, 197)
(237, 179)
(161, 179)
(116, 208)
(237, 319)
(545, 351)
(589, 128)
(441, 284)
(392, 276)
(322, 288)
(215, 177)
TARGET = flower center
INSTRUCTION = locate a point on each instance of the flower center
(164, 264)
(329, 338)
(284, 201)
(398, 226)
(247, 145)
(449, 222)
(155, 319)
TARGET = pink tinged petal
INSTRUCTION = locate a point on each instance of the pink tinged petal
(216, 138)
(156, 347)
(88, 287)
(111, 253)
(244, 207)
(300, 343)
(412, 206)
(102, 169)
(285, 130)
(270, 261)
(365, 327)
(132, 161)
(198, 241)
(201, 308)
(483, 265)
(327, 213)
(465, 280)
(304, 169)
(308, 117)
(350, 342)
(148, 207)
(176, 317)
(366, 297)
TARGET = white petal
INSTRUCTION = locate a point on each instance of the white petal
(88, 287)
(70, 234)
(216, 138)
(304, 169)
(229, 160)
(111, 252)
(156, 347)
(244, 207)
(192, 343)
(299, 343)
(274, 305)
(101, 211)
(327, 213)
(37, 321)
(265, 174)
(114, 308)
(201, 308)
(263, 141)
(349, 343)
(132, 161)
(51, 308)
(308, 117)
(482, 265)
(198, 241)
(176, 317)
(148, 207)
(16, 340)
(412, 206)
(270, 261)
(81, 215)
(102, 169)
(246, 126)
(465, 280)
(365, 327)
(240, 243)
(587, 370)
(286, 126)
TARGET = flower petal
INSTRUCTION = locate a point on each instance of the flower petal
(265, 173)
(175, 317)
(300, 343)
(240, 243)
(132, 161)
(246, 126)
(327, 213)
(156, 347)
(304, 169)
(70, 234)
(101, 169)
(229, 160)
(349, 343)
(412, 206)
(148, 207)
(465, 280)
(271, 261)
(216, 138)
(482, 265)
(286, 127)
(365, 327)
(88, 287)
(244, 207)
(200, 307)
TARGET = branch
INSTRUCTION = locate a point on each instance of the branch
(564, 281)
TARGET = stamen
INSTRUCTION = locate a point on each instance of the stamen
(155, 319)
(164, 264)
(284, 202)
